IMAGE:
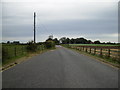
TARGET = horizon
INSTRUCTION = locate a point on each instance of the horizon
(59, 40)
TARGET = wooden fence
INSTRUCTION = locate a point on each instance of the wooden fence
(103, 51)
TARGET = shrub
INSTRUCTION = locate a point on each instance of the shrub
(32, 47)
(50, 44)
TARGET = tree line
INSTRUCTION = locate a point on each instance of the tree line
(80, 40)
(66, 40)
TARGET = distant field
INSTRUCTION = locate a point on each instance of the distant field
(92, 45)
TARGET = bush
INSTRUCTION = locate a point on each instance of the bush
(32, 47)
(49, 44)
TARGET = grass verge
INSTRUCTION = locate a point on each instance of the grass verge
(109, 61)
(18, 59)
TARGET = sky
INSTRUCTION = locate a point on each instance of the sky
(91, 19)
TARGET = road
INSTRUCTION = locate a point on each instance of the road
(61, 68)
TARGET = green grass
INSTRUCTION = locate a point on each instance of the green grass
(13, 59)
(92, 45)
(104, 58)
(11, 52)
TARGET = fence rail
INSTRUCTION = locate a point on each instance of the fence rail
(103, 51)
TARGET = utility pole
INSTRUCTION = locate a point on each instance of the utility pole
(34, 27)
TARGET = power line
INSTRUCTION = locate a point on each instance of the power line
(43, 26)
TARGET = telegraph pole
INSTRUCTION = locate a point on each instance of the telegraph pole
(34, 27)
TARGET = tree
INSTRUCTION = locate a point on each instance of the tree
(56, 41)
(49, 39)
(81, 41)
(68, 41)
(16, 42)
(49, 44)
(89, 42)
(31, 46)
(103, 43)
(8, 42)
(72, 41)
(63, 40)
(97, 42)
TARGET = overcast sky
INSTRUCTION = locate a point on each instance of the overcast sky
(91, 19)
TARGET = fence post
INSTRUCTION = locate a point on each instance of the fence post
(90, 50)
(94, 51)
(76, 48)
(86, 49)
(83, 48)
(108, 52)
(101, 52)
(80, 48)
(119, 55)
(15, 52)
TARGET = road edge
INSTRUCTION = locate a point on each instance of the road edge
(24, 59)
(96, 58)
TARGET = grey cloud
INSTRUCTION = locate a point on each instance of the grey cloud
(17, 31)
(65, 18)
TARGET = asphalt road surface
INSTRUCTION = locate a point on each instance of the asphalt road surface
(61, 68)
